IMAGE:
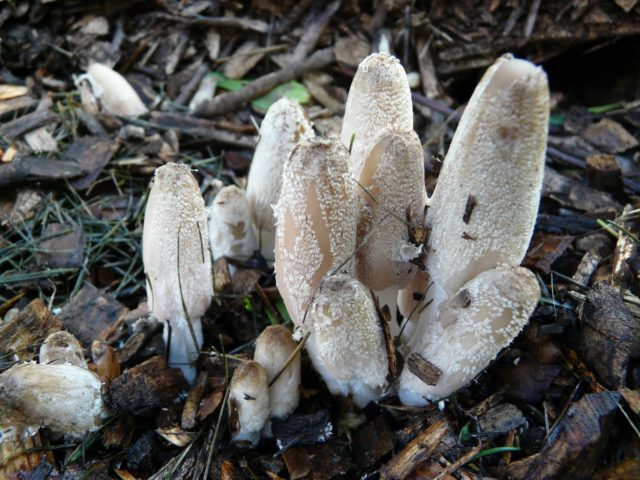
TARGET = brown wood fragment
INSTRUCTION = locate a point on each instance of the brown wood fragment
(468, 209)
(230, 102)
(468, 236)
(571, 193)
(499, 420)
(145, 387)
(632, 397)
(371, 442)
(423, 369)
(604, 173)
(610, 335)
(93, 154)
(105, 359)
(28, 168)
(298, 462)
(15, 104)
(313, 31)
(190, 409)
(384, 319)
(244, 281)
(28, 122)
(416, 452)
(610, 136)
(62, 246)
(210, 403)
(587, 267)
(626, 249)
(544, 250)
(23, 334)
(221, 276)
(626, 469)
(135, 342)
(573, 447)
(529, 380)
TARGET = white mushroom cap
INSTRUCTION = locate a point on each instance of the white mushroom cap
(273, 348)
(62, 347)
(249, 402)
(231, 231)
(393, 177)
(116, 95)
(175, 233)
(65, 398)
(347, 344)
(316, 221)
(284, 125)
(379, 100)
(484, 205)
(483, 317)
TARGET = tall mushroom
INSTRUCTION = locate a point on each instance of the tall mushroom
(481, 217)
(177, 262)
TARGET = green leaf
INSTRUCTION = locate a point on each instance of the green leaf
(465, 434)
(605, 108)
(227, 83)
(491, 451)
(292, 90)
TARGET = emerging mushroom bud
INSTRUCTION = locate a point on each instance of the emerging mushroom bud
(316, 222)
(177, 262)
(230, 226)
(485, 203)
(273, 348)
(116, 95)
(483, 317)
(249, 402)
(347, 344)
(379, 100)
(393, 198)
(60, 348)
(284, 125)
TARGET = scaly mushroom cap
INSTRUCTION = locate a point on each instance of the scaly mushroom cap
(483, 317)
(316, 221)
(284, 125)
(115, 93)
(347, 344)
(273, 348)
(230, 225)
(61, 347)
(379, 100)
(65, 398)
(249, 402)
(175, 234)
(485, 203)
(391, 189)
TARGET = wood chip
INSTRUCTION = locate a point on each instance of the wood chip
(8, 92)
(610, 136)
(423, 369)
(40, 140)
(61, 246)
(190, 409)
(243, 60)
(371, 442)
(499, 420)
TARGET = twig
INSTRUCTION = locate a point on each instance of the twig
(229, 102)
(312, 33)
(232, 22)
(290, 358)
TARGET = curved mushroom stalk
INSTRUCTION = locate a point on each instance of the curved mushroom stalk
(249, 402)
(177, 262)
(316, 222)
(392, 201)
(231, 231)
(347, 344)
(379, 100)
(484, 206)
(273, 348)
(482, 318)
(284, 125)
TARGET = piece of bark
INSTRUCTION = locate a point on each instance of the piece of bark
(587, 267)
(22, 335)
(632, 397)
(371, 442)
(19, 206)
(416, 452)
(190, 409)
(573, 447)
(229, 102)
(628, 468)
(313, 30)
(62, 246)
(302, 429)
(499, 420)
(40, 140)
(317, 462)
(528, 381)
(626, 251)
(570, 193)
(145, 387)
(28, 122)
(298, 462)
(15, 104)
(544, 250)
(610, 335)
(604, 173)
(93, 154)
(243, 60)
(423, 369)
(351, 50)
(133, 345)
(573, 224)
(609, 136)
(34, 169)
(89, 312)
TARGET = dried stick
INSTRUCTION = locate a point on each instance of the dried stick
(229, 102)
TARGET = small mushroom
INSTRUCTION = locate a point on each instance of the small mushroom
(284, 125)
(379, 100)
(471, 328)
(347, 344)
(177, 262)
(273, 348)
(115, 93)
(231, 231)
(61, 347)
(249, 402)
(316, 222)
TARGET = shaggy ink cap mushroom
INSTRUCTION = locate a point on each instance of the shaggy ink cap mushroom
(379, 100)
(347, 344)
(483, 317)
(316, 222)
(116, 94)
(177, 262)
(249, 402)
(273, 348)
(231, 231)
(284, 125)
